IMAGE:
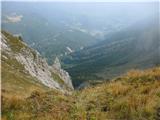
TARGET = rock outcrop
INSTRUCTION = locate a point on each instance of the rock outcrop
(56, 68)
(34, 64)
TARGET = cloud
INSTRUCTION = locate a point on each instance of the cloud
(13, 19)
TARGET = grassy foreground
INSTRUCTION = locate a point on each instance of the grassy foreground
(133, 96)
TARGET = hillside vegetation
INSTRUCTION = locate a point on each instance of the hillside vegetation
(132, 96)
(134, 47)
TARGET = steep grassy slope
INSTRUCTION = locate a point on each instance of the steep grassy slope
(15, 80)
(133, 96)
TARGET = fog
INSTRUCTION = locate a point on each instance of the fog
(89, 15)
(52, 27)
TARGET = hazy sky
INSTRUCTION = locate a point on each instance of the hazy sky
(87, 0)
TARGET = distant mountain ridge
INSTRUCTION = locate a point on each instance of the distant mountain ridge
(51, 27)
(135, 47)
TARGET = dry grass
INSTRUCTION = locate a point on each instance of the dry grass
(134, 96)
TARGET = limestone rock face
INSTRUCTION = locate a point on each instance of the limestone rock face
(34, 64)
(56, 64)
(64, 75)
(37, 67)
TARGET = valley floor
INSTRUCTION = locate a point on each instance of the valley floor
(133, 96)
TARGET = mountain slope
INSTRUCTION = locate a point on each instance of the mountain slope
(44, 32)
(51, 27)
(133, 96)
(134, 47)
(24, 70)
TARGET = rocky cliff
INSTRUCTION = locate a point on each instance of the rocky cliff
(56, 68)
(33, 64)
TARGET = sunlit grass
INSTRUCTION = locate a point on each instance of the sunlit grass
(133, 96)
